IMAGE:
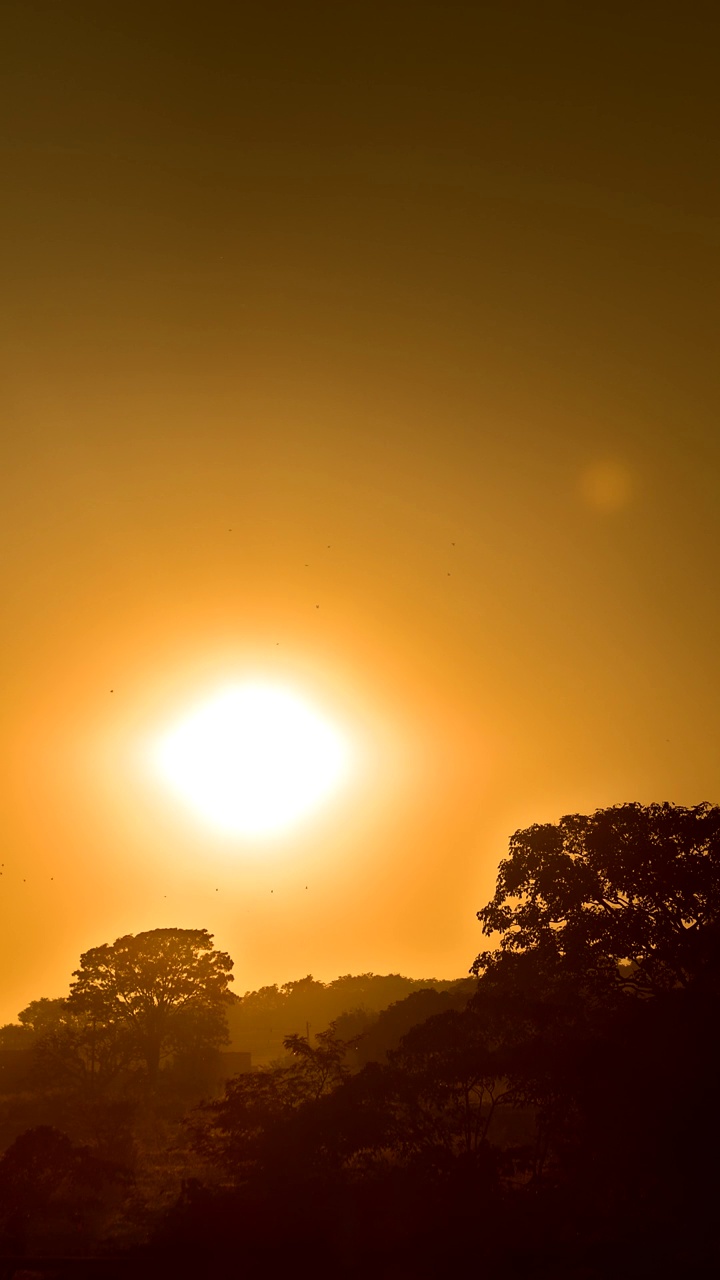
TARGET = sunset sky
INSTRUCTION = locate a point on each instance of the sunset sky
(368, 350)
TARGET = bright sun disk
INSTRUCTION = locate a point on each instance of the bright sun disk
(253, 760)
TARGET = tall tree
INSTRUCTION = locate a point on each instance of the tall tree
(266, 1117)
(167, 987)
(628, 896)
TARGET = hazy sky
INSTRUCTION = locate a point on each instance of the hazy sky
(424, 297)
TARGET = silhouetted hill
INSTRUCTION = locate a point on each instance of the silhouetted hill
(383, 1031)
(260, 1020)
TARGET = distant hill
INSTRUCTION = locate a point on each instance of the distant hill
(260, 1020)
(376, 1033)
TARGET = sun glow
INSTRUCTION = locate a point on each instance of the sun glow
(253, 760)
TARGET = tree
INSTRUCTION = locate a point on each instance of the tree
(166, 988)
(260, 1020)
(266, 1118)
(626, 898)
(321, 1066)
(453, 1068)
(39, 1017)
(388, 1029)
(51, 1188)
(43, 1015)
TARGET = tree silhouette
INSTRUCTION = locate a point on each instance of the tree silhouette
(454, 1078)
(167, 988)
(320, 1067)
(43, 1015)
(628, 897)
(47, 1179)
(259, 1020)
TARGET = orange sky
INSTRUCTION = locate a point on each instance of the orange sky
(436, 285)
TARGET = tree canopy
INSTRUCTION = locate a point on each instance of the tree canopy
(167, 987)
(628, 895)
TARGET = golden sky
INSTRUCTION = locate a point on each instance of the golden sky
(406, 310)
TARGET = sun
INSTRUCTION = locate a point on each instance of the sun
(253, 759)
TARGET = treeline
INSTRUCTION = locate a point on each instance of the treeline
(259, 1021)
(97, 1090)
(563, 1120)
(556, 1114)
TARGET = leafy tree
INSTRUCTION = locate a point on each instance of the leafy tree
(625, 898)
(166, 990)
(43, 1015)
(13, 1036)
(39, 1016)
(393, 1023)
(70, 1047)
(48, 1183)
(321, 1066)
(82, 1050)
(260, 1020)
(454, 1068)
(255, 1124)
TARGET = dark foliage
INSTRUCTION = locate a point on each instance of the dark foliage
(260, 1020)
(555, 1115)
(159, 993)
(629, 896)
